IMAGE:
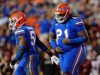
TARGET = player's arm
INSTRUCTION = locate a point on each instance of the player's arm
(81, 32)
(43, 47)
(21, 45)
(54, 59)
(52, 39)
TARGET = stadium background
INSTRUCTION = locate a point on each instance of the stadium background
(39, 14)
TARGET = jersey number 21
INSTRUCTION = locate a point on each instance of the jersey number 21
(59, 33)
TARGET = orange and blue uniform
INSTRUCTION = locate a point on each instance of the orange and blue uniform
(28, 64)
(74, 52)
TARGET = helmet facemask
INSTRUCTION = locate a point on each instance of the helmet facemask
(17, 20)
(12, 24)
(61, 18)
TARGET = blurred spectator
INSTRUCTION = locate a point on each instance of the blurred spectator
(2, 38)
(33, 21)
(95, 64)
(47, 67)
(86, 67)
(5, 68)
(29, 10)
(45, 25)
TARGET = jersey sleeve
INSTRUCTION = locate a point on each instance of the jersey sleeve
(21, 49)
(18, 33)
(52, 30)
(79, 25)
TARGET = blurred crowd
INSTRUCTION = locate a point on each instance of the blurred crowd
(39, 15)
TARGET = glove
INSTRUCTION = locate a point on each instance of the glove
(12, 63)
(55, 60)
(58, 50)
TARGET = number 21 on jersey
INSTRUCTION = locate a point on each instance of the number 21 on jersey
(59, 33)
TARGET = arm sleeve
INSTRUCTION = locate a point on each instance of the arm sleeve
(19, 33)
(79, 28)
(52, 30)
(43, 47)
(21, 49)
(20, 53)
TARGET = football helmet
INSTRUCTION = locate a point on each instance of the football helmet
(62, 12)
(16, 20)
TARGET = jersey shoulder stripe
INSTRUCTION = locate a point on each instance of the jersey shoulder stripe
(19, 32)
(79, 23)
(78, 20)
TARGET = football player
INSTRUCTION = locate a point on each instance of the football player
(68, 36)
(26, 41)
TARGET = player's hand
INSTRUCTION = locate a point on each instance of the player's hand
(66, 41)
(55, 60)
(12, 63)
(59, 50)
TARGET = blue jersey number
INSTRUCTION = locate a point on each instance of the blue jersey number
(33, 37)
(59, 33)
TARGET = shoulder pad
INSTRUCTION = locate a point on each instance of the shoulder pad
(19, 31)
(54, 22)
(75, 17)
(78, 20)
(30, 28)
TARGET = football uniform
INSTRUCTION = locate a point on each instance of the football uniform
(27, 42)
(29, 63)
(75, 52)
